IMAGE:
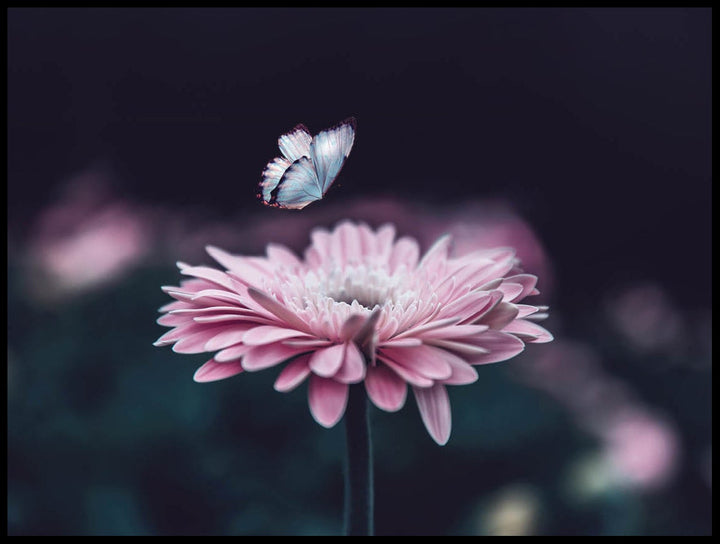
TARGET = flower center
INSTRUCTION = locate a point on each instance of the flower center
(365, 285)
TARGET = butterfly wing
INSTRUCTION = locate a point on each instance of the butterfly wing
(329, 149)
(298, 186)
(293, 145)
(296, 143)
(271, 177)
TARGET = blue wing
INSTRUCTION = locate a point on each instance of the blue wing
(296, 143)
(271, 177)
(329, 149)
(298, 187)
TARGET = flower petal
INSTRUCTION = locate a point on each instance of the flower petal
(213, 371)
(268, 334)
(434, 405)
(326, 361)
(406, 374)
(385, 388)
(353, 365)
(293, 374)
(260, 357)
(405, 253)
(502, 346)
(500, 315)
(228, 337)
(425, 360)
(195, 343)
(277, 309)
(462, 372)
(529, 331)
(327, 399)
(282, 255)
(232, 353)
(528, 281)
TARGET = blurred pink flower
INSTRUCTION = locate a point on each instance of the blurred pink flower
(646, 318)
(88, 238)
(360, 307)
(641, 447)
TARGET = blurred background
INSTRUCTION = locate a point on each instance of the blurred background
(582, 137)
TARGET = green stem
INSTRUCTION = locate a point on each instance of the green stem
(359, 465)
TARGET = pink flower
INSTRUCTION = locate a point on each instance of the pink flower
(360, 307)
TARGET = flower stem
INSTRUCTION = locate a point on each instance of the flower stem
(359, 465)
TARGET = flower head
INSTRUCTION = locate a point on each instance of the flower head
(361, 306)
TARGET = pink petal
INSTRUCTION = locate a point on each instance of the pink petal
(385, 388)
(500, 315)
(479, 315)
(231, 354)
(326, 361)
(530, 331)
(401, 342)
(436, 256)
(195, 343)
(428, 327)
(212, 275)
(425, 360)
(525, 310)
(345, 244)
(502, 346)
(280, 254)
(471, 304)
(496, 270)
(528, 281)
(406, 374)
(405, 253)
(293, 374)
(258, 336)
(462, 372)
(453, 331)
(248, 270)
(510, 290)
(260, 357)
(172, 336)
(212, 371)
(327, 399)
(458, 346)
(434, 406)
(213, 296)
(353, 366)
(171, 320)
(351, 327)
(321, 243)
(367, 241)
(227, 337)
(366, 333)
(277, 309)
(384, 241)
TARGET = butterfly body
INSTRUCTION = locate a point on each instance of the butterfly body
(308, 165)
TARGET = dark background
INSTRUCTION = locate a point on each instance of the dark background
(594, 123)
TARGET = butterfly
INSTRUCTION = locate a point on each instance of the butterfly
(308, 165)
